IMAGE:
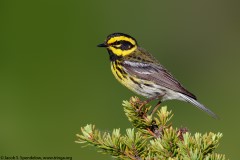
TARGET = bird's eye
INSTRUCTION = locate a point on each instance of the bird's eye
(117, 42)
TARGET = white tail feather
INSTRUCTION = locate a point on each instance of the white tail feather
(198, 105)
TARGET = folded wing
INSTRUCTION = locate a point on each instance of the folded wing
(155, 73)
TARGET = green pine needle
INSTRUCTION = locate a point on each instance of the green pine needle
(154, 138)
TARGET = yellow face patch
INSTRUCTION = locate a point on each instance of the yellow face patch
(120, 52)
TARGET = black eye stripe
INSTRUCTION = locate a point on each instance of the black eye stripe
(123, 45)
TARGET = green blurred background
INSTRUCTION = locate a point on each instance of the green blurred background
(54, 80)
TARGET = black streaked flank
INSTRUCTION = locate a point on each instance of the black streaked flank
(121, 71)
(149, 85)
(135, 82)
(118, 75)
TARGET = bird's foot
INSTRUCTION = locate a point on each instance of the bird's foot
(155, 108)
(143, 103)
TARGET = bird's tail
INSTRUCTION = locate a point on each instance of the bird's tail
(198, 105)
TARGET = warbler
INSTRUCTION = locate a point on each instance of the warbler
(140, 72)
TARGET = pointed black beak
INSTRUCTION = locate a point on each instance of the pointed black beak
(102, 45)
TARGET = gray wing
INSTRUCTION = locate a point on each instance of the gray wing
(156, 73)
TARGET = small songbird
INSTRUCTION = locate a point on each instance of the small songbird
(140, 72)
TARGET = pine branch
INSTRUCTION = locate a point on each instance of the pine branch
(130, 146)
(155, 138)
(151, 126)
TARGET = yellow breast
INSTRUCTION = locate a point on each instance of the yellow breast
(118, 73)
(125, 79)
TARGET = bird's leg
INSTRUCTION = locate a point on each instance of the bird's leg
(156, 107)
(146, 102)
(158, 104)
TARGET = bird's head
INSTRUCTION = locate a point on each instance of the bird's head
(119, 45)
